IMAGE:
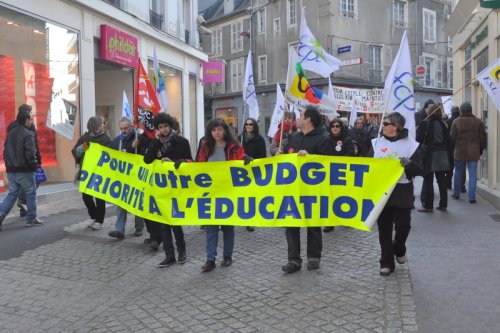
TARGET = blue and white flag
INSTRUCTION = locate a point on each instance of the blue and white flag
(249, 95)
(126, 110)
(398, 88)
(279, 110)
(159, 84)
(312, 56)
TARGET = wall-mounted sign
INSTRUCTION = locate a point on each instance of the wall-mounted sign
(344, 49)
(213, 71)
(489, 3)
(420, 70)
(117, 46)
(479, 38)
(350, 62)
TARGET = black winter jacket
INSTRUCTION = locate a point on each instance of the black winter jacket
(255, 146)
(20, 150)
(314, 142)
(176, 148)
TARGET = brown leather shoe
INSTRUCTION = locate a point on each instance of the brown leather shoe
(425, 210)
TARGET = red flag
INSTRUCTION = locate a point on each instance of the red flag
(146, 105)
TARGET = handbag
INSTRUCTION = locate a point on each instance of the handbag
(40, 176)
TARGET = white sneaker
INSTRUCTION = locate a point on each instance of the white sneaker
(96, 226)
(401, 260)
(91, 225)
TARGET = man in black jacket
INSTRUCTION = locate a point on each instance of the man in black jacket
(168, 146)
(21, 163)
(312, 139)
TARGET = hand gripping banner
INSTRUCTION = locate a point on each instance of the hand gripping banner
(280, 191)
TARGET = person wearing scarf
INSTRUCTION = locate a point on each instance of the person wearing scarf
(288, 127)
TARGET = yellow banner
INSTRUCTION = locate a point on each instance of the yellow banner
(281, 191)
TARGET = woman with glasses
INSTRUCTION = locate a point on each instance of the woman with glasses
(341, 142)
(395, 143)
(253, 143)
(96, 133)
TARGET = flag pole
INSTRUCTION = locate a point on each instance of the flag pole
(442, 104)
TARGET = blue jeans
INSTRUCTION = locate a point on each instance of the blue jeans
(121, 220)
(213, 237)
(18, 181)
(457, 178)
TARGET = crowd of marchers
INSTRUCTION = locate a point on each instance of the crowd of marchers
(442, 148)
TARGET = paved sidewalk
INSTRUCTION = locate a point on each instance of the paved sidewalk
(90, 282)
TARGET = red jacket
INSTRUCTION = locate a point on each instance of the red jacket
(234, 151)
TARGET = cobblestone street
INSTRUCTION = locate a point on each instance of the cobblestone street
(90, 282)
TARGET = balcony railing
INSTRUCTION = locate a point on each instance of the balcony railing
(155, 19)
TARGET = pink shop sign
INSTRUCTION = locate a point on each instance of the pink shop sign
(117, 46)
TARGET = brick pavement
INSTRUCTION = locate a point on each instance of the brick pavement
(90, 282)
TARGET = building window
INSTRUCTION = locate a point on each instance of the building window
(449, 70)
(481, 60)
(348, 8)
(292, 12)
(375, 63)
(116, 3)
(399, 13)
(237, 75)
(236, 37)
(429, 26)
(276, 25)
(433, 74)
(217, 42)
(261, 21)
(262, 69)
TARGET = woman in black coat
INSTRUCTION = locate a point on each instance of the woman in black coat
(434, 135)
(253, 143)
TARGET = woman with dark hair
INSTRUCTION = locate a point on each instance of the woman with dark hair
(433, 134)
(253, 143)
(95, 133)
(218, 144)
(394, 142)
(341, 142)
(361, 136)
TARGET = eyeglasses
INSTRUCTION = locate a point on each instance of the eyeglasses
(248, 124)
(385, 123)
(335, 126)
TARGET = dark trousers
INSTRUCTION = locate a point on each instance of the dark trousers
(449, 175)
(428, 189)
(96, 207)
(314, 243)
(168, 243)
(162, 233)
(400, 218)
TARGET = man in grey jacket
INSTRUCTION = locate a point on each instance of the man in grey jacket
(21, 162)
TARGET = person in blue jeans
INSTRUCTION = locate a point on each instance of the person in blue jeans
(21, 162)
(218, 144)
(126, 142)
(469, 136)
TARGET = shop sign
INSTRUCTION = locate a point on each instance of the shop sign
(117, 46)
(350, 62)
(213, 71)
(479, 38)
(489, 3)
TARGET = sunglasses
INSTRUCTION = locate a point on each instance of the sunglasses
(385, 123)
(248, 124)
(335, 126)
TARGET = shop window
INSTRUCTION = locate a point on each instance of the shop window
(40, 67)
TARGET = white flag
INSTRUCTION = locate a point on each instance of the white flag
(249, 95)
(489, 79)
(159, 84)
(279, 109)
(398, 88)
(126, 111)
(354, 113)
(313, 57)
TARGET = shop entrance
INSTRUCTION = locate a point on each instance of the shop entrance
(111, 80)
